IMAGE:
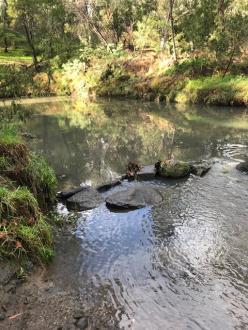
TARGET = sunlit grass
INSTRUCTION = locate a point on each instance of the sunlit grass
(14, 55)
(8, 135)
(228, 90)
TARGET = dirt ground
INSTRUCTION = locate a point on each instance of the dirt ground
(44, 301)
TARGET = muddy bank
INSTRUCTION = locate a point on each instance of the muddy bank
(36, 303)
(47, 299)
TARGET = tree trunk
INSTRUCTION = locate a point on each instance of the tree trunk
(5, 25)
(31, 44)
(229, 62)
(171, 18)
(5, 45)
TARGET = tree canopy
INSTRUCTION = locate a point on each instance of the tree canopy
(57, 29)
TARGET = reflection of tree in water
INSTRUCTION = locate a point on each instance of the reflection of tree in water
(96, 140)
(168, 142)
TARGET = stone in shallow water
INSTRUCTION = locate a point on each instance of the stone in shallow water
(86, 199)
(146, 173)
(174, 170)
(243, 167)
(134, 198)
(200, 168)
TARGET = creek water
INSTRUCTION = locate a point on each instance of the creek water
(180, 265)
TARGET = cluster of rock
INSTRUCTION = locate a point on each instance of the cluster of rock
(138, 196)
(173, 170)
(87, 198)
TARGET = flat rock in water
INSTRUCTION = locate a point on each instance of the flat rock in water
(88, 198)
(243, 167)
(107, 186)
(146, 173)
(67, 194)
(134, 198)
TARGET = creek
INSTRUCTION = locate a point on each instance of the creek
(179, 265)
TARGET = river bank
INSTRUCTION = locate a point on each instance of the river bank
(152, 78)
(148, 77)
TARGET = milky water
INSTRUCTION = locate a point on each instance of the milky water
(179, 265)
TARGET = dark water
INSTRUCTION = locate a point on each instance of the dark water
(180, 265)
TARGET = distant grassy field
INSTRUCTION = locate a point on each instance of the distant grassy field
(14, 56)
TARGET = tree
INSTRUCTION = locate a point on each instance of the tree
(171, 19)
(112, 21)
(230, 33)
(5, 22)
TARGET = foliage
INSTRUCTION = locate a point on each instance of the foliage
(147, 34)
(72, 44)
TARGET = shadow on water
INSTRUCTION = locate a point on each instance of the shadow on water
(180, 265)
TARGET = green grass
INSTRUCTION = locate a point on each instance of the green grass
(23, 229)
(17, 203)
(37, 239)
(41, 179)
(8, 134)
(228, 90)
(15, 55)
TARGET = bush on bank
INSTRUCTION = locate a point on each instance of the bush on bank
(197, 80)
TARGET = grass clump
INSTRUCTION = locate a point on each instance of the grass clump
(23, 229)
(8, 135)
(27, 187)
(41, 179)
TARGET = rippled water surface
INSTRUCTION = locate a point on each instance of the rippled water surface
(180, 265)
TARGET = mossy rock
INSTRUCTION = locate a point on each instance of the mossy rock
(175, 170)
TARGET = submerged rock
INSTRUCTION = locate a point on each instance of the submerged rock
(107, 186)
(200, 168)
(134, 198)
(175, 170)
(88, 198)
(67, 194)
(243, 167)
(146, 173)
